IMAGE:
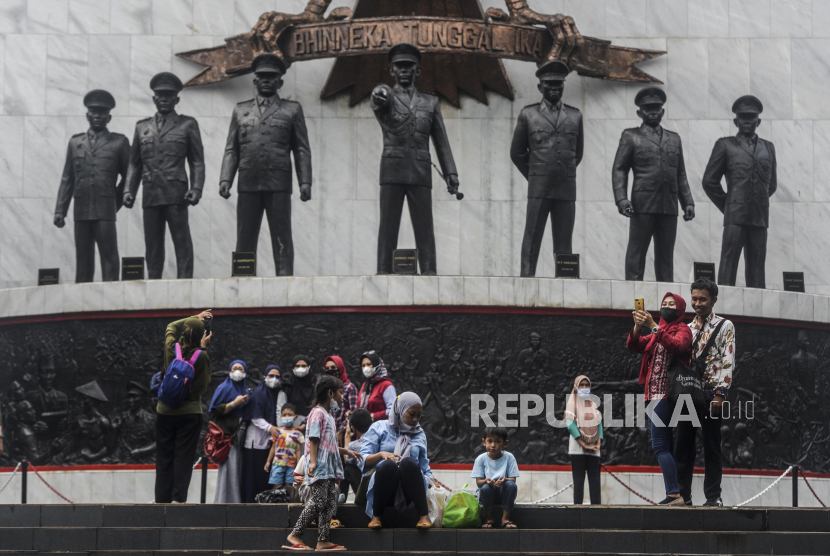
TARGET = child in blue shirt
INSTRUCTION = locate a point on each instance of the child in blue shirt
(495, 472)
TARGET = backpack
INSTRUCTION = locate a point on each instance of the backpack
(173, 386)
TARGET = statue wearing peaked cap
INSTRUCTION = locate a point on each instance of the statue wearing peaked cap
(94, 161)
(655, 156)
(264, 132)
(750, 167)
(162, 145)
(547, 147)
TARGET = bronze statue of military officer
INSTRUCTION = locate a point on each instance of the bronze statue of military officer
(94, 160)
(655, 156)
(264, 132)
(161, 146)
(547, 148)
(751, 178)
(408, 118)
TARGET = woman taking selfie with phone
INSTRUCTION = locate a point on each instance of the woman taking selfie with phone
(669, 338)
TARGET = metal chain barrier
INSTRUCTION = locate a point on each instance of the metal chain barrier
(47, 484)
(198, 461)
(803, 476)
(775, 482)
(628, 487)
(554, 495)
(16, 469)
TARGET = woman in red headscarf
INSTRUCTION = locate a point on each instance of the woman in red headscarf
(335, 367)
(669, 338)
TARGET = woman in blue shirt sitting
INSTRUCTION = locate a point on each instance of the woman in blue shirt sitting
(398, 449)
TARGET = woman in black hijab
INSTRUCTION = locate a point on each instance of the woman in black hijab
(300, 388)
(260, 414)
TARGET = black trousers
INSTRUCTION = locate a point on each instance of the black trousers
(254, 476)
(753, 241)
(419, 200)
(176, 439)
(562, 216)
(405, 474)
(641, 228)
(686, 449)
(580, 465)
(175, 218)
(88, 233)
(277, 208)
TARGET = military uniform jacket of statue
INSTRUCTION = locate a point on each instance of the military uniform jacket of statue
(90, 176)
(259, 144)
(751, 179)
(547, 148)
(659, 171)
(408, 123)
(158, 159)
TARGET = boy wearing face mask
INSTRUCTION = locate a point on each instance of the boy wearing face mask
(282, 459)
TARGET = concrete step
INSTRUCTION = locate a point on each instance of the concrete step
(631, 518)
(477, 541)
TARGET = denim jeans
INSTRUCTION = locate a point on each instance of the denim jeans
(490, 496)
(661, 443)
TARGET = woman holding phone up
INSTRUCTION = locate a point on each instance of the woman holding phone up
(658, 343)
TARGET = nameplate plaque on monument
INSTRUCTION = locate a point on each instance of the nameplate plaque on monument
(794, 282)
(48, 276)
(132, 268)
(244, 264)
(567, 266)
(705, 270)
(405, 261)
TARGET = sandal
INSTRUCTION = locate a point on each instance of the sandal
(424, 524)
(332, 548)
(488, 525)
(375, 524)
(508, 525)
(298, 547)
(335, 524)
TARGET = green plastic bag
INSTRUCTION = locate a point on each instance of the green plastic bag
(462, 511)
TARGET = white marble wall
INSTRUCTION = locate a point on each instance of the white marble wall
(136, 487)
(53, 51)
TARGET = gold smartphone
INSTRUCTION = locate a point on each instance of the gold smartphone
(639, 304)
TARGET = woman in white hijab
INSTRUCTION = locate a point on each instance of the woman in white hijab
(395, 451)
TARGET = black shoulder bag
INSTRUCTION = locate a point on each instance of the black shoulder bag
(689, 380)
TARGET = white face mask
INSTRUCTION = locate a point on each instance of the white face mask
(236, 376)
(272, 381)
(334, 406)
(300, 372)
(583, 392)
(368, 372)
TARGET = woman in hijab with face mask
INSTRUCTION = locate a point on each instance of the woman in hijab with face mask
(260, 416)
(670, 338)
(226, 410)
(584, 422)
(178, 428)
(299, 388)
(378, 393)
(397, 448)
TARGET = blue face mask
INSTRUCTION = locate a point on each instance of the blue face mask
(583, 392)
(286, 421)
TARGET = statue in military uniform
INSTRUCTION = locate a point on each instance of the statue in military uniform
(655, 156)
(408, 118)
(136, 427)
(94, 160)
(263, 133)
(547, 148)
(751, 178)
(161, 146)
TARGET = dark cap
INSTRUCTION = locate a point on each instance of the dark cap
(650, 95)
(268, 62)
(748, 104)
(92, 390)
(553, 71)
(136, 387)
(99, 98)
(404, 52)
(166, 81)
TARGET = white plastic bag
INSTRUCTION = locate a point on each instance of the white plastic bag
(436, 501)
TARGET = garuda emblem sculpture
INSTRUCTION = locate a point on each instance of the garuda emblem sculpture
(462, 45)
